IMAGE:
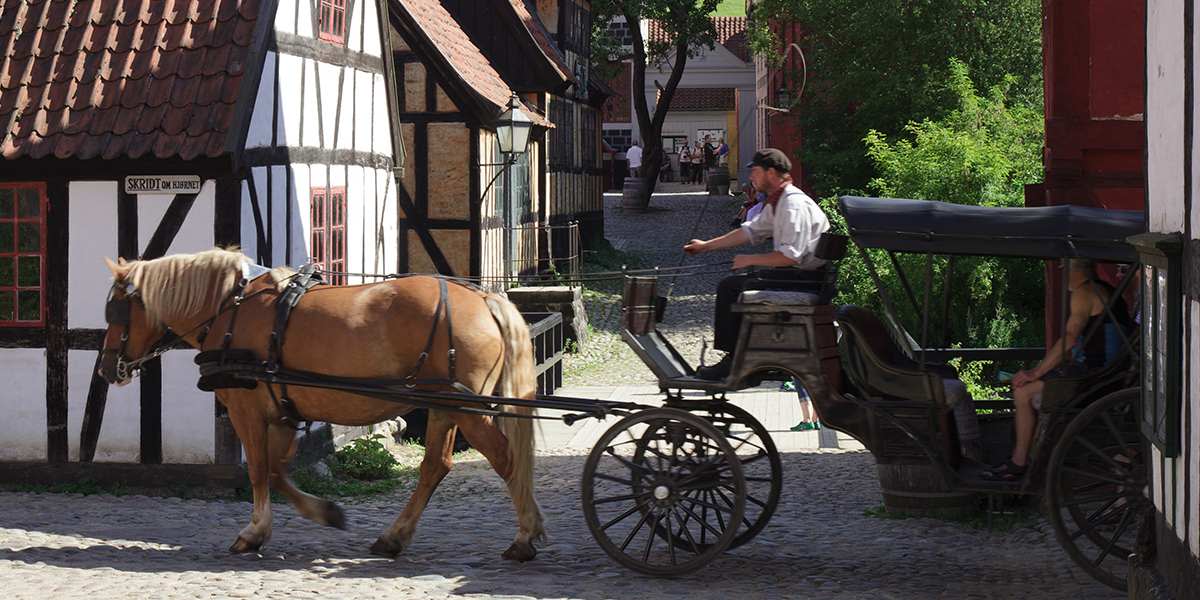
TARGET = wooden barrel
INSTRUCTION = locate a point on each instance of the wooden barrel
(918, 490)
(718, 181)
(631, 194)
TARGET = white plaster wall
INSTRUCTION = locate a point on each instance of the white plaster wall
(363, 112)
(290, 74)
(304, 24)
(1165, 114)
(358, 226)
(120, 429)
(280, 197)
(93, 237)
(261, 121)
(371, 38)
(354, 27)
(381, 140)
(389, 259)
(329, 85)
(188, 434)
(285, 16)
(302, 186)
(248, 234)
(23, 396)
(310, 135)
(345, 118)
(686, 123)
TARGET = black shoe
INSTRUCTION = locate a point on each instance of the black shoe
(718, 371)
(1009, 471)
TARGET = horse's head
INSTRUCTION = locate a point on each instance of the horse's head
(131, 333)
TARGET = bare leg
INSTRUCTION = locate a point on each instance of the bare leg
(1026, 420)
(251, 427)
(489, 441)
(282, 443)
(439, 452)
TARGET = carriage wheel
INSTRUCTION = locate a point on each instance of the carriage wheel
(651, 480)
(1095, 484)
(761, 466)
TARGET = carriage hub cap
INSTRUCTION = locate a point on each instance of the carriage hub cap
(661, 492)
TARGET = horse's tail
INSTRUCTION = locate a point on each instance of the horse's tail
(517, 380)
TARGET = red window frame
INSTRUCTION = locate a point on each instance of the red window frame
(22, 220)
(332, 21)
(328, 231)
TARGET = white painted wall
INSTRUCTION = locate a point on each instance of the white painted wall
(23, 397)
(1164, 109)
(120, 429)
(92, 238)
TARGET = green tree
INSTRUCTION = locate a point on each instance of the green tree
(878, 65)
(982, 152)
(688, 29)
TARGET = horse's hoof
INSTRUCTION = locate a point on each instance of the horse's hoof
(386, 548)
(520, 552)
(333, 515)
(244, 546)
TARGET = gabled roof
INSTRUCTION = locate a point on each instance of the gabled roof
(458, 58)
(537, 30)
(702, 99)
(110, 78)
(731, 33)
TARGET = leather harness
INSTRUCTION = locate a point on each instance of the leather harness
(226, 367)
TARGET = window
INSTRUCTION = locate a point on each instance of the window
(1162, 339)
(332, 23)
(22, 254)
(329, 232)
(618, 139)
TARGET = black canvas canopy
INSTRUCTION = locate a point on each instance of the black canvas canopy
(944, 228)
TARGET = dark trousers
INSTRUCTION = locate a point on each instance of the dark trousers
(728, 323)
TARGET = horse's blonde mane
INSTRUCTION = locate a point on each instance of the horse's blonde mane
(185, 286)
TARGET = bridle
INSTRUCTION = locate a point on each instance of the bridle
(117, 312)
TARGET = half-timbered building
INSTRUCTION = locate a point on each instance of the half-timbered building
(1167, 561)
(137, 128)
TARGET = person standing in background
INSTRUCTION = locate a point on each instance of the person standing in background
(685, 163)
(697, 163)
(634, 156)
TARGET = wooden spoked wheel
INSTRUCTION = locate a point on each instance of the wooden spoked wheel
(1095, 483)
(761, 466)
(647, 484)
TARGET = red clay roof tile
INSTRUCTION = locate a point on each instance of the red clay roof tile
(110, 78)
(731, 33)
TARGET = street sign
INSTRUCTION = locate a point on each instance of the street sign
(162, 184)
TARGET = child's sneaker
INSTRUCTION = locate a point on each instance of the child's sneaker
(803, 426)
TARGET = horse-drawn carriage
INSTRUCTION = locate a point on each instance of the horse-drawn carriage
(665, 489)
(868, 378)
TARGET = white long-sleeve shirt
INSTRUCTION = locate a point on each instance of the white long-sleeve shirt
(794, 225)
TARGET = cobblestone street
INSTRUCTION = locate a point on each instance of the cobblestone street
(822, 542)
(819, 545)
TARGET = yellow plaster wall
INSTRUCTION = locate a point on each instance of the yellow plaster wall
(449, 171)
(414, 87)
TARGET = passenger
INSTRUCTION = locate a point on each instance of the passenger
(1089, 296)
(794, 222)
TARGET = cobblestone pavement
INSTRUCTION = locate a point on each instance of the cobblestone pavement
(656, 237)
(819, 545)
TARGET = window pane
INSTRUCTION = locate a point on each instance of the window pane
(29, 306)
(1147, 316)
(6, 203)
(7, 273)
(29, 203)
(7, 241)
(6, 306)
(29, 237)
(29, 271)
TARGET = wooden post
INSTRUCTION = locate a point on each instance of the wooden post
(55, 276)
(227, 230)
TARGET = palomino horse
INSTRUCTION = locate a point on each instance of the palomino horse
(364, 331)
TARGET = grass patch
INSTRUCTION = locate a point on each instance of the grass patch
(1001, 522)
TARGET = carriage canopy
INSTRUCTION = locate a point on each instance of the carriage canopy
(927, 226)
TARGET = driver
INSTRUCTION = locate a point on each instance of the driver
(794, 223)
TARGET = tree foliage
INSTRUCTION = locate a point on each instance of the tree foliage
(878, 65)
(688, 30)
(982, 152)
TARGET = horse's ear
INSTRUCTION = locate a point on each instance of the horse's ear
(118, 269)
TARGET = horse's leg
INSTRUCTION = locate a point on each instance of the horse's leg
(485, 437)
(282, 442)
(439, 451)
(251, 426)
